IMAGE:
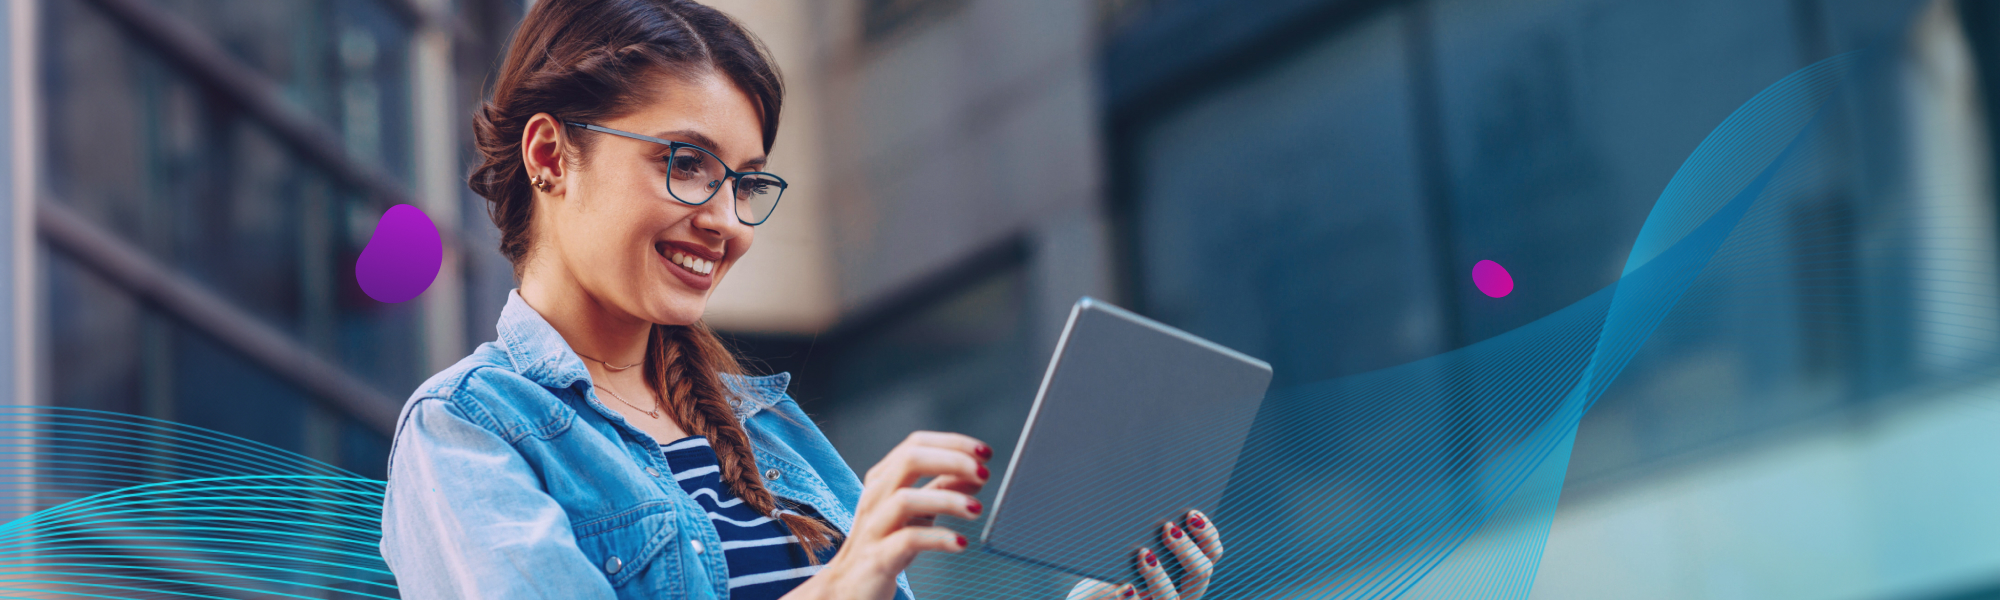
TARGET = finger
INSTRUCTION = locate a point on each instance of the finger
(1091, 589)
(909, 462)
(1196, 565)
(950, 483)
(1205, 535)
(951, 441)
(1155, 574)
(956, 484)
(907, 542)
(908, 504)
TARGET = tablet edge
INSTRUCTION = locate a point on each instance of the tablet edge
(1055, 358)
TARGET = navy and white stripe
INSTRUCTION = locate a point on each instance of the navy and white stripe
(765, 560)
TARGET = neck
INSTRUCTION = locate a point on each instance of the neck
(591, 327)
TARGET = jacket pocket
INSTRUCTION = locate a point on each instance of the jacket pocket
(629, 548)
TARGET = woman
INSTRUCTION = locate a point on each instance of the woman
(606, 445)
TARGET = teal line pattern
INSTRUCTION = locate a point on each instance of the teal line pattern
(108, 505)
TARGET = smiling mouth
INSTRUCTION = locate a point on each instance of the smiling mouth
(691, 263)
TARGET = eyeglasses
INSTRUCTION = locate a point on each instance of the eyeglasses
(694, 175)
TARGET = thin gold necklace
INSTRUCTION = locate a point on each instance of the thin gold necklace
(654, 413)
(612, 366)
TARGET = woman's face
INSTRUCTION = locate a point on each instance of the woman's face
(610, 223)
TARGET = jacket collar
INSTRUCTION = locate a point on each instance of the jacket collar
(756, 393)
(540, 354)
(538, 351)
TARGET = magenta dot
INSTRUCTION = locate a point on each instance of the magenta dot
(1492, 279)
(402, 257)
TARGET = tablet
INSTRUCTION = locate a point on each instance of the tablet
(1135, 424)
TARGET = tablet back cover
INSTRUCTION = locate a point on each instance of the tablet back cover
(1135, 424)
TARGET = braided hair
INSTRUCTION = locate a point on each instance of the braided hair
(683, 362)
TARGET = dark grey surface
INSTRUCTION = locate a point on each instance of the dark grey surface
(1135, 424)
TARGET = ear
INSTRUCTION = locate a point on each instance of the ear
(542, 145)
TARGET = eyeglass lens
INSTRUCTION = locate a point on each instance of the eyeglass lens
(695, 176)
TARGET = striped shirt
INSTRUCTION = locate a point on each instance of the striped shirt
(765, 560)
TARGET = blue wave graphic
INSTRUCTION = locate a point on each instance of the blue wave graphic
(1369, 486)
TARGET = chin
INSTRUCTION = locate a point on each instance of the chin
(677, 313)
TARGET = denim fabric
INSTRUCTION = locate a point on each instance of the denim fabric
(508, 479)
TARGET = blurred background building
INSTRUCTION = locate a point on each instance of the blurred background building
(1309, 181)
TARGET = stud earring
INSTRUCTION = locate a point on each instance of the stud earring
(539, 182)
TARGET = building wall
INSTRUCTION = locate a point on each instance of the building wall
(962, 208)
(18, 171)
(958, 131)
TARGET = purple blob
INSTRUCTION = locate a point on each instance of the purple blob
(402, 257)
(1492, 279)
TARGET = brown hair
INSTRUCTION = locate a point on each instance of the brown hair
(589, 60)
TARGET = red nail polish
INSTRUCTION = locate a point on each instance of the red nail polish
(1150, 561)
(983, 451)
(975, 507)
(1176, 531)
(983, 472)
(961, 541)
(1196, 521)
(1128, 592)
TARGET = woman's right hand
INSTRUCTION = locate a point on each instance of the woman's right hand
(895, 520)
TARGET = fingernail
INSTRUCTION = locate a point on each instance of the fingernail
(983, 472)
(983, 451)
(974, 507)
(1150, 561)
(961, 541)
(1176, 531)
(1128, 591)
(1195, 520)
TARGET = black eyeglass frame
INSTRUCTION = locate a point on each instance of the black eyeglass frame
(715, 186)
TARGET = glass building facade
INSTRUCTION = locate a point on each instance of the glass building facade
(1312, 182)
(1366, 171)
(247, 149)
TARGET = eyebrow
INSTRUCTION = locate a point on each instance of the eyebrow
(708, 143)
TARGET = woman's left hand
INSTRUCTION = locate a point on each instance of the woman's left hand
(1197, 546)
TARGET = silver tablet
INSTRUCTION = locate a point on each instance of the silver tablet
(1135, 424)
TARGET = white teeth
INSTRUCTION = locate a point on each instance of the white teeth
(693, 264)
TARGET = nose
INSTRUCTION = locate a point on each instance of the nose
(718, 214)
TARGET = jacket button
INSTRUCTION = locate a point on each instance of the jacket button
(696, 544)
(772, 474)
(652, 471)
(612, 565)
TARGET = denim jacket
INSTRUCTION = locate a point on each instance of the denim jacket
(508, 479)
